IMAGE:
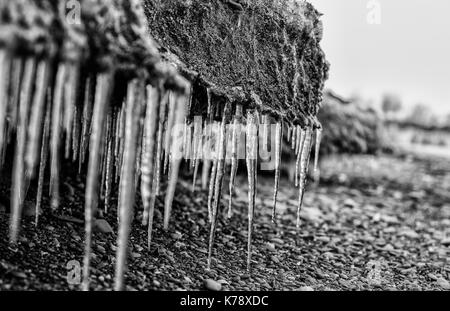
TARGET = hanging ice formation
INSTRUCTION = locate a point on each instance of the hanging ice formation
(104, 98)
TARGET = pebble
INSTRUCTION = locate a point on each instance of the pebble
(443, 283)
(270, 247)
(101, 249)
(306, 289)
(101, 225)
(212, 285)
(156, 283)
(176, 235)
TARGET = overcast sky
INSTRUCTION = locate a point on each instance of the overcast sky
(407, 53)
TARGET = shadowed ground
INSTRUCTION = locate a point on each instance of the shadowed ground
(378, 223)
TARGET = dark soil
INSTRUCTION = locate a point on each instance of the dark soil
(378, 224)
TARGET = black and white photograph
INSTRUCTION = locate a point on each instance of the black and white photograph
(225, 150)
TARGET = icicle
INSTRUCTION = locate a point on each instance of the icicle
(86, 119)
(5, 64)
(188, 144)
(293, 138)
(117, 144)
(209, 106)
(221, 153)
(16, 84)
(44, 155)
(306, 148)
(289, 133)
(212, 180)
(18, 178)
(128, 172)
(150, 132)
(301, 143)
(265, 133)
(316, 152)
(176, 153)
(35, 124)
(278, 150)
(109, 166)
(70, 93)
(56, 135)
(102, 92)
(157, 165)
(75, 134)
(205, 173)
(197, 148)
(235, 143)
(219, 178)
(251, 161)
(169, 125)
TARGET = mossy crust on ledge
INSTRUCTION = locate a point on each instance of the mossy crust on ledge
(267, 48)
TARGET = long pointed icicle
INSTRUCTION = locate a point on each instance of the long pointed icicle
(43, 163)
(128, 172)
(109, 169)
(5, 64)
(219, 179)
(176, 152)
(70, 93)
(36, 116)
(278, 149)
(157, 165)
(316, 153)
(298, 168)
(235, 143)
(197, 148)
(17, 191)
(76, 134)
(206, 167)
(169, 125)
(56, 135)
(102, 92)
(86, 119)
(213, 170)
(150, 132)
(251, 161)
(305, 150)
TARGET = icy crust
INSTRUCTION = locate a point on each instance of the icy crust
(100, 35)
(240, 49)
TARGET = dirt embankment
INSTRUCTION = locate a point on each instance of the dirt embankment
(261, 52)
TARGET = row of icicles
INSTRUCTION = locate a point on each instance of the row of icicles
(131, 146)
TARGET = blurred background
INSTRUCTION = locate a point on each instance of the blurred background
(389, 85)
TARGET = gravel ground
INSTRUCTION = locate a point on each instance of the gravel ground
(371, 224)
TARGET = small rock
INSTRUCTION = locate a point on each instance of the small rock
(306, 289)
(277, 241)
(212, 285)
(156, 283)
(432, 276)
(443, 283)
(101, 249)
(275, 259)
(176, 236)
(101, 225)
(409, 233)
(270, 247)
(19, 274)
